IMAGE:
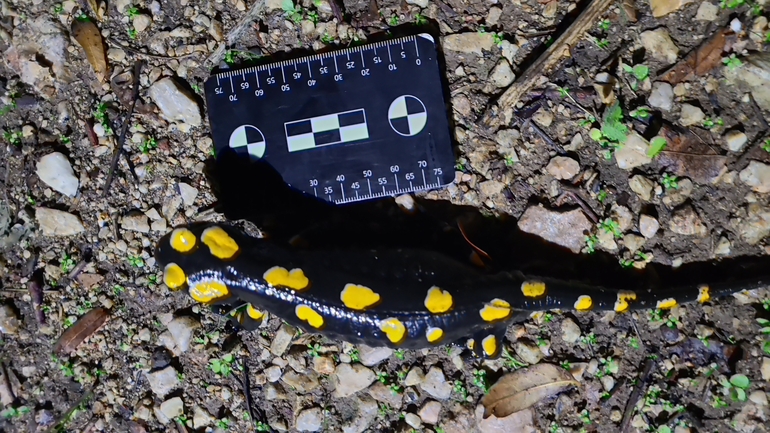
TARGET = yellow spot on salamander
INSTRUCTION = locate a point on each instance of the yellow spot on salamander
(621, 304)
(495, 310)
(182, 240)
(309, 315)
(173, 276)
(489, 343)
(434, 334)
(533, 289)
(438, 301)
(704, 294)
(281, 277)
(584, 303)
(666, 304)
(254, 313)
(219, 242)
(358, 297)
(394, 329)
(208, 291)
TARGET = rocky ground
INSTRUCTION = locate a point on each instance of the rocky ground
(160, 363)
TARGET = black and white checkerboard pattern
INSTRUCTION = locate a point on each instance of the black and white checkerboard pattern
(407, 115)
(324, 130)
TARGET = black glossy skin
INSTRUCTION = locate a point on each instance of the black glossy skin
(402, 277)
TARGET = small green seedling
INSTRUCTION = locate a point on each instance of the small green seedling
(294, 13)
(732, 62)
(13, 138)
(605, 25)
(393, 21)
(314, 349)
(480, 380)
(710, 123)
(669, 182)
(657, 145)
(591, 242)
(736, 387)
(640, 72)
(611, 226)
(223, 365)
(420, 19)
(148, 145)
(766, 146)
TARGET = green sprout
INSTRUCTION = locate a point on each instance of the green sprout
(393, 21)
(262, 427)
(136, 261)
(736, 387)
(591, 242)
(656, 146)
(640, 72)
(13, 138)
(58, 9)
(148, 145)
(420, 19)
(613, 132)
(460, 388)
(326, 38)
(223, 423)
(732, 62)
(605, 25)
(709, 123)
(101, 116)
(669, 181)
(15, 412)
(223, 365)
(640, 113)
(480, 380)
(766, 146)
(294, 13)
(400, 354)
(602, 43)
(132, 33)
(354, 356)
(510, 362)
(563, 91)
(313, 350)
(313, 16)
(611, 226)
(498, 39)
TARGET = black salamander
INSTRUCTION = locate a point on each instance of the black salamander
(404, 298)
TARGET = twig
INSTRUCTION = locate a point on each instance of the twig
(234, 35)
(35, 287)
(496, 115)
(570, 192)
(5, 383)
(123, 130)
(65, 418)
(637, 394)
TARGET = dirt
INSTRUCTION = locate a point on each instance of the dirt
(105, 385)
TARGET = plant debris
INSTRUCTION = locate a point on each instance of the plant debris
(80, 331)
(89, 37)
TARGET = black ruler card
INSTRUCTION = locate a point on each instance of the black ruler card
(348, 125)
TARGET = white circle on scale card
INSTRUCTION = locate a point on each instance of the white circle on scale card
(249, 137)
(407, 115)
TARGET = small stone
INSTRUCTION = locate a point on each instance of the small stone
(141, 22)
(174, 102)
(490, 188)
(188, 193)
(414, 420)
(562, 228)
(608, 382)
(383, 394)
(723, 247)
(633, 242)
(509, 51)
(604, 84)
(759, 397)
(707, 12)
(202, 418)
(310, 419)
(469, 42)
(430, 412)
(163, 381)
(543, 117)
(528, 352)
(661, 96)
(323, 365)
(406, 202)
(435, 384)
(172, 407)
(282, 340)
(756, 226)
(562, 167)
(502, 75)
(659, 45)
(367, 412)
(54, 222)
(414, 377)
(371, 356)
(765, 368)
(9, 323)
(736, 140)
(493, 16)
(759, 29)
(273, 374)
(642, 186)
(633, 153)
(352, 378)
(570, 331)
(736, 25)
(55, 171)
(421, 3)
(136, 222)
(664, 7)
(691, 115)
(648, 226)
(757, 176)
(685, 221)
(158, 226)
(181, 329)
(677, 196)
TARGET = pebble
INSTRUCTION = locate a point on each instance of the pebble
(642, 187)
(383, 394)
(367, 412)
(136, 222)
(604, 84)
(707, 12)
(623, 216)
(421, 3)
(509, 51)
(633, 242)
(521, 421)
(570, 331)
(659, 45)
(282, 339)
(302, 383)
(675, 197)
(414, 420)
(174, 102)
(273, 373)
(141, 22)
(274, 5)
(352, 378)
(562, 228)
(371, 356)
(469, 42)
(414, 377)
(562, 167)
(201, 417)
(310, 419)
(756, 226)
(502, 75)
(323, 365)
(751, 77)
(723, 247)
(172, 407)
(54, 222)
(528, 352)
(163, 381)
(648, 226)
(493, 16)
(181, 329)
(188, 193)
(736, 140)
(543, 117)
(685, 221)
(633, 153)
(608, 382)
(691, 115)
(9, 323)
(757, 176)
(430, 412)
(435, 384)
(490, 188)
(759, 397)
(406, 202)
(661, 96)
(55, 171)
(765, 368)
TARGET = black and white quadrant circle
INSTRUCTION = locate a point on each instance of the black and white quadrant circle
(407, 115)
(248, 138)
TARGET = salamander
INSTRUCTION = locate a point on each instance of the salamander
(397, 297)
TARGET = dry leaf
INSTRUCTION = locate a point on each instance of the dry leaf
(699, 62)
(89, 37)
(686, 155)
(82, 329)
(524, 388)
